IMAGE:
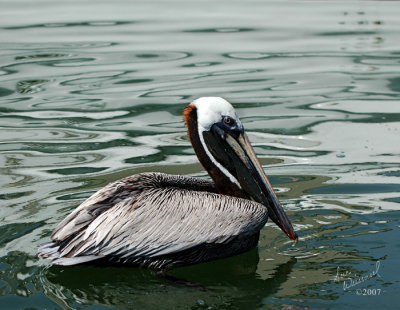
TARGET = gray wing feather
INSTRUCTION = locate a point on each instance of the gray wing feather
(155, 221)
(100, 201)
(68, 261)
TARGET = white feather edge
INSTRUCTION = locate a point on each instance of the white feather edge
(209, 111)
(215, 162)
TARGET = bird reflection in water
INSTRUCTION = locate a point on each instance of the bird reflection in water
(231, 282)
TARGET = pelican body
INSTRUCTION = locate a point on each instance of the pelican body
(160, 221)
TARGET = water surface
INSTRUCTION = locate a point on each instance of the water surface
(92, 92)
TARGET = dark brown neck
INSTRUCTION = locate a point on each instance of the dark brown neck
(222, 182)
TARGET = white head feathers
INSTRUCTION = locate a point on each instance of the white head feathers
(211, 109)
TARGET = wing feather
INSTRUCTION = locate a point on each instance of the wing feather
(155, 221)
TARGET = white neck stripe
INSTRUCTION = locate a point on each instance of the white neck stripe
(214, 161)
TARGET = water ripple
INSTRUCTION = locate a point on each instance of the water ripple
(87, 101)
(220, 30)
(100, 23)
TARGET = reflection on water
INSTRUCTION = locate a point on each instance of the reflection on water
(93, 93)
(142, 289)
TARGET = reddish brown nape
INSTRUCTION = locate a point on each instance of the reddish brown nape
(189, 116)
(222, 182)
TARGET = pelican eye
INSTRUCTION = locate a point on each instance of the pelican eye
(228, 120)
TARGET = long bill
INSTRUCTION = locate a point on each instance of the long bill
(240, 159)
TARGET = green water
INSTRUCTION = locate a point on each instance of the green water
(92, 91)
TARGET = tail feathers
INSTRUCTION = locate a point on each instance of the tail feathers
(68, 261)
(49, 250)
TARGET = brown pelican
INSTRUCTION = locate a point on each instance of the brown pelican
(160, 221)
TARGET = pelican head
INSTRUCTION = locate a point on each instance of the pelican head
(223, 148)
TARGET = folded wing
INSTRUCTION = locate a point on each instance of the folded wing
(133, 221)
